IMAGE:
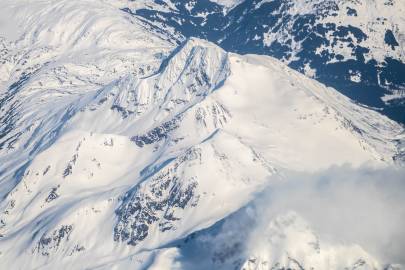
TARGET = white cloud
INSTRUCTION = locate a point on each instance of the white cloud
(344, 206)
(364, 206)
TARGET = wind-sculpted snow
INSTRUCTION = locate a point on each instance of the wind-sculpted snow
(45, 75)
(116, 143)
(356, 47)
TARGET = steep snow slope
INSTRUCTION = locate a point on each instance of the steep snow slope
(146, 159)
(356, 47)
(114, 145)
(56, 60)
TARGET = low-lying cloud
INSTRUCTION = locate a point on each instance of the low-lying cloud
(365, 206)
(342, 205)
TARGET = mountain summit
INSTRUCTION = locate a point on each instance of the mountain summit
(357, 47)
(120, 148)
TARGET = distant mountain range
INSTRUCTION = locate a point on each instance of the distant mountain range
(356, 47)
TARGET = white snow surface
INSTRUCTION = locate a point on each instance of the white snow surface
(229, 4)
(104, 122)
(373, 18)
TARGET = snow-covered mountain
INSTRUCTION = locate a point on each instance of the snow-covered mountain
(120, 149)
(354, 46)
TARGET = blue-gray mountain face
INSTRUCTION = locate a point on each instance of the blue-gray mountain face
(353, 46)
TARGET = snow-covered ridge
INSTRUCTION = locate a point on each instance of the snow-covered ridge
(357, 47)
(242, 119)
(103, 166)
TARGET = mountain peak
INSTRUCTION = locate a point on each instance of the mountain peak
(120, 148)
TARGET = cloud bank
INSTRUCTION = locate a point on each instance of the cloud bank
(365, 206)
(343, 205)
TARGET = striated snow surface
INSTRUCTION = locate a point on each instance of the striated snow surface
(116, 144)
